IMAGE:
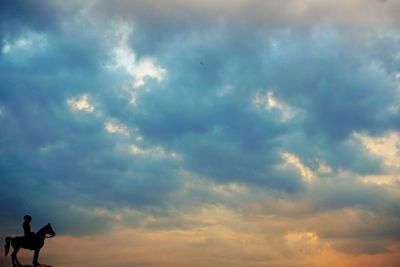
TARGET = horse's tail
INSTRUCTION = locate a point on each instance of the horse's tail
(7, 245)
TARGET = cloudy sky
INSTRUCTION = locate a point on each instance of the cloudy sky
(202, 133)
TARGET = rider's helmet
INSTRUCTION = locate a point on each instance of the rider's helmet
(27, 218)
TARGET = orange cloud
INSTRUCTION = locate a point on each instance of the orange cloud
(222, 238)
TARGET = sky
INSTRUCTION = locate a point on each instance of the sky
(202, 133)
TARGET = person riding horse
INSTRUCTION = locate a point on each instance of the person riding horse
(30, 236)
(32, 241)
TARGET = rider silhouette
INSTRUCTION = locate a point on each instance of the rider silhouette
(27, 230)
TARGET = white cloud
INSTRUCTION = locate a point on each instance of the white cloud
(125, 58)
(304, 242)
(114, 127)
(270, 102)
(228, 189)
(293, 160)
(225, 90)
(324, 168)
(386, 147)
(157, 151)
(2, 111)
(133, 100)
(147, 67)
(381, 179)
(81, 104)
(29, 42)
(96, 212)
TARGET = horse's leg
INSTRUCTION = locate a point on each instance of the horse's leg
(14, 258)
(36, 257)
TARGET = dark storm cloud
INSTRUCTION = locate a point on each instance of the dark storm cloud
(39, 14)
(53, 156)
(372, 229)
(62, 163)
(334, 104)
(17, 16)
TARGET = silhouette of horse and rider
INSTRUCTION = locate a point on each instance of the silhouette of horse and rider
(30, 240)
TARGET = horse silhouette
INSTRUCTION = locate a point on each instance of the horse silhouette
(36, 244)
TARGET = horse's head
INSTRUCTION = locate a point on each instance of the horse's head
(49, 230)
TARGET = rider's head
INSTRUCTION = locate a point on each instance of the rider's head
(27, 218)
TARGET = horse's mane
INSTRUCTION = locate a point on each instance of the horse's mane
(42, 230)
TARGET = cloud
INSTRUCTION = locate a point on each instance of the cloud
(197, 120)
(117, 128)
(80, 104)
(125, 58)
